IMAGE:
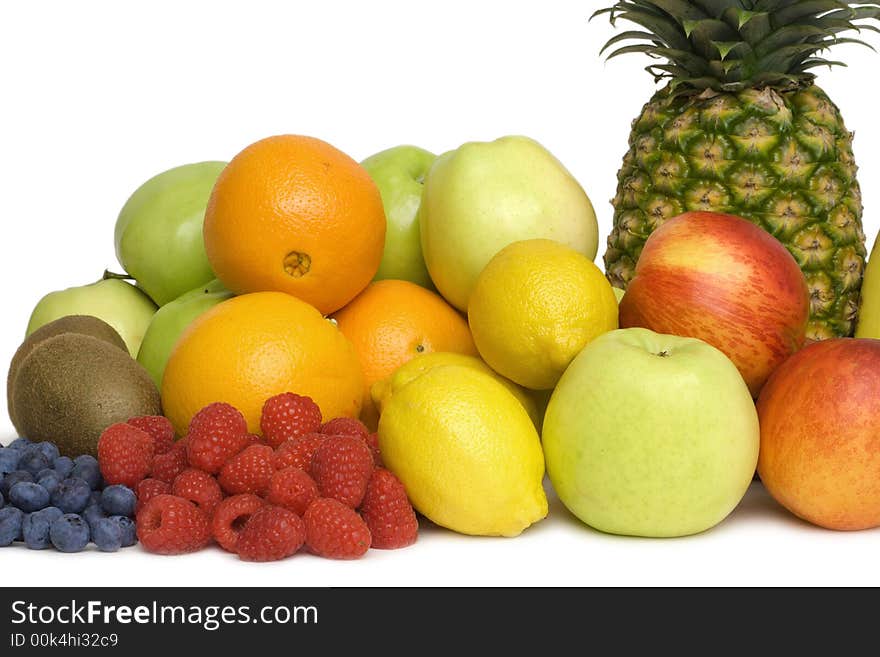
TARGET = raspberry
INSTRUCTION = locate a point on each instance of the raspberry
(254, 439)
(147, 490)
(293, 489)
(288, 416)
(198, 487)
(344, 426)
(388, 513)
(297, 452)
(271, 533)
(167, 466)
(159, 428)
(250, 471)
(230, 517)
(216, 434)
(125, 454)
(172, 525)
(341, 467)
(335, 531)
(372, 440)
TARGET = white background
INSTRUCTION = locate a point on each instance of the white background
(96, 97)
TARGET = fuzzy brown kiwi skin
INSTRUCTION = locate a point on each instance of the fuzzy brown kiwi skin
(82, 324)
(71, 387)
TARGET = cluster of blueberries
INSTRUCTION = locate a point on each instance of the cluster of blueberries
(51, 500)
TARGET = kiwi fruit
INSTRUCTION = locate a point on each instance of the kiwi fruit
(71, 387)
(82, 324)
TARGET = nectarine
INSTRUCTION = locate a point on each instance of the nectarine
(820, 434)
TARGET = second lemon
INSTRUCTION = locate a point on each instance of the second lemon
(535, 306)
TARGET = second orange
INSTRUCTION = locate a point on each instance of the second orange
(393, 321)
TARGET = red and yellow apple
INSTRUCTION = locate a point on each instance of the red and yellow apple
(820, 434)
(723, 280)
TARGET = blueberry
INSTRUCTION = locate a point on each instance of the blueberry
(51, 512)
(32, 460)
(71, 495)
(20, 443)
(48, 449)
(127, 529)
(85, 467)
(49, 480)
(107, 535)
(95, 498)
(10, 525)
(13, 478)
(93, 514)
(35, 527)
(63, 465)
(69, 533)
(2, 501)
(118, 501)
(29, 496)
(9, 459)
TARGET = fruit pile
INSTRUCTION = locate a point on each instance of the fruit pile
(447, 313)
(47, 499)
(303, 483)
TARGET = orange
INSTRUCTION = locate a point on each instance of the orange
(253, 347)
(393, 321)
(294, 214)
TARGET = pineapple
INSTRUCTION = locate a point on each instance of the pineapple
(741, 128)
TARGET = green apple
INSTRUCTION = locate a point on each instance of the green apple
(120, 304)
(159, 231)
(485, 195)
(170, 322)
(651, 435)
(399, 173)
(618, 293)
(869, 312)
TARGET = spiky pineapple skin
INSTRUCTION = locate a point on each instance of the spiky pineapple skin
(782, 159)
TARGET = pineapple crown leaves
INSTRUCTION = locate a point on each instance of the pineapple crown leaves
(730, 45)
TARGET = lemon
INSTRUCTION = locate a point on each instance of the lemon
(383, 390)
(466, 451)
(535, 306)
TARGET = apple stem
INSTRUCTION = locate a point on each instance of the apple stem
(120, 277)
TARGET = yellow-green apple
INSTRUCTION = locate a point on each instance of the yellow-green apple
(120, 304)
(820, 434)
(159, 231)
(650, 435)
(486, 195)
(869, 311)
(171, 320)
(399, 173)
(724, 280)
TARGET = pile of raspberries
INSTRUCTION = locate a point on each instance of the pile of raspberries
(303, 483)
